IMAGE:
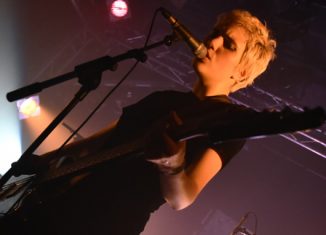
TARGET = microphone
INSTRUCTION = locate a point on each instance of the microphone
(198, 48)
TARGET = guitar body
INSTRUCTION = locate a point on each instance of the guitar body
(61, 205)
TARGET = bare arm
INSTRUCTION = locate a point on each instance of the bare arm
(181, 189)
(180, 186)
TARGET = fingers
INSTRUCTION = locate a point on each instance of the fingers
(169, 166)
(174, 120)
(163, 164)
(171, 157)
(170, 146)
(161, 144)
(172, 123)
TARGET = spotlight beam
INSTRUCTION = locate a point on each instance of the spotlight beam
(25, 161)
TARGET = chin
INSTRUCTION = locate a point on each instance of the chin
(197, 64)
(200, 69)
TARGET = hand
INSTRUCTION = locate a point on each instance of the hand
(172, 159)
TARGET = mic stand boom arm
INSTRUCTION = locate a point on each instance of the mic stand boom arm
(89, 75)
(96, 66)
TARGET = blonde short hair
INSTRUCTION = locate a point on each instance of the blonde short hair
(260, 48)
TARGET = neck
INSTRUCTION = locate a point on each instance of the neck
(202, 91)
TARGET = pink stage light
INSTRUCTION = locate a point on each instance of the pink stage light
(118, 10)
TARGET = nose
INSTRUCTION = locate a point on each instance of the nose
(217, 43)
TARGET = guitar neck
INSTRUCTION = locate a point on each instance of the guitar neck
(134, 148)
(240, 126)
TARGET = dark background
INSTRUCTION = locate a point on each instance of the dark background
(281, 179)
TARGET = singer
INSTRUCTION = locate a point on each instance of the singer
(118, 197)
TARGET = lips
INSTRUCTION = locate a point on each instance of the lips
(208, 55)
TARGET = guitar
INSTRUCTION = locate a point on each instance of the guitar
(203, 122)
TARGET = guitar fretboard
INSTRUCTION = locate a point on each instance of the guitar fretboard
(134, 148)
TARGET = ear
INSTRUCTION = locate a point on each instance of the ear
(240, 81)
(242, 74)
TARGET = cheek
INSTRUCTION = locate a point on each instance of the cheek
(209, 71)
(220, 67)
(216, 67)
(226, 65)
(201, 68)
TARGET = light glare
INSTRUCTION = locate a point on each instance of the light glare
(119, 8)
(29, 107)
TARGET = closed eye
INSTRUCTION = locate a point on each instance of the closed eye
(228, 43)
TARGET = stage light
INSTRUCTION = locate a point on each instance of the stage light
(118, 9)
(29, 107)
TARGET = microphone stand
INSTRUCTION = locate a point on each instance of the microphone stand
(89, 75)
